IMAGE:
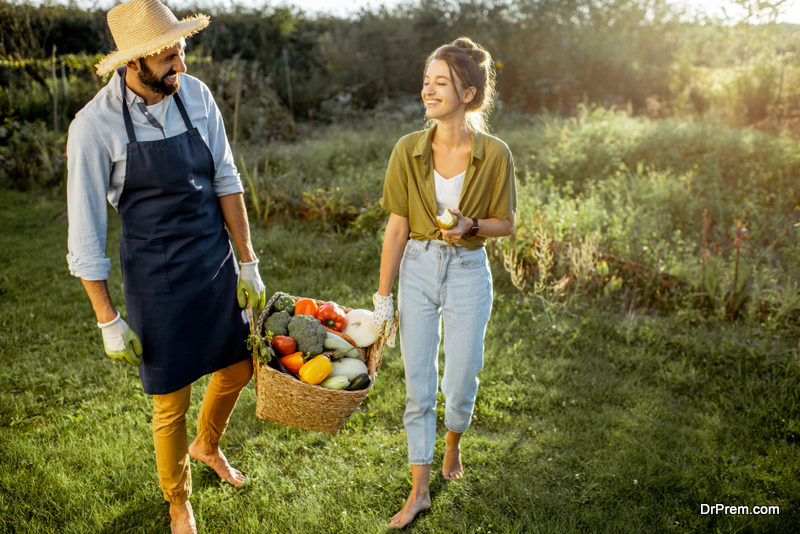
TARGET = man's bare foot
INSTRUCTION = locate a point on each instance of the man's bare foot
(452, 469)
(181, 519)
(213, 458)
(414, 505)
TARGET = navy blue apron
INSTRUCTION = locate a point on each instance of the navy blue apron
(178, 266)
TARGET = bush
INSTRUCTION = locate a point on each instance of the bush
(644, 186)
(31, 156)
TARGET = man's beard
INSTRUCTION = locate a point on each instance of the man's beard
(148, 78)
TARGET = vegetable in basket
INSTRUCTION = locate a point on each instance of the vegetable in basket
(277, 323)
(348, 367)
(335, 382)
(331, 315)
(316, 370)
(341, 335)
(260, 348)
(309, 334)
(359, 382)
(284, 303)
(335, 342)
(305, 307)
(361, 327)
(293, 362)
(284, 344)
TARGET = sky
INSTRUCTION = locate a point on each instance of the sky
(349, 7)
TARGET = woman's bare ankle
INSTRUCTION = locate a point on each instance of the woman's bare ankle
(452, 468)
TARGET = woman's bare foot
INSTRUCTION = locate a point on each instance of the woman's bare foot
(452, 469)
(414, 505)
(418, 500)
(181, 519)
(213, 458)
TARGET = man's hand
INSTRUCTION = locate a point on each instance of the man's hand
(250, 289)
(384, 317)
(120, 342)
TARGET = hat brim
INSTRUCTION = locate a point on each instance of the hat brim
(184, 28)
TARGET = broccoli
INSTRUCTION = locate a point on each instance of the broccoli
(309, 334)
(277, 322)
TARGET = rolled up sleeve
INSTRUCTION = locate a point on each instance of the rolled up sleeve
(504, 200)
(226, 176)
(88, 178)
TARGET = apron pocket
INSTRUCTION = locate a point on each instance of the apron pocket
(144, 266)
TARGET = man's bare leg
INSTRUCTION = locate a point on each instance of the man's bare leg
(181, 519)
(212, 456)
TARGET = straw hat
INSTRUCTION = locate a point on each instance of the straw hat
(145, 27)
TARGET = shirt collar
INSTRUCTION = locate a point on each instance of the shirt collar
(130, 97)
(423, 146)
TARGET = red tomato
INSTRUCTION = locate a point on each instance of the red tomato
(284, 344)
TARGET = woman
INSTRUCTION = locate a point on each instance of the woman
(444, 273)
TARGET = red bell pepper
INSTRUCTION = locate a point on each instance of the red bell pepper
(331, 315)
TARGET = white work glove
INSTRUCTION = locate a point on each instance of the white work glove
(384, 317)
(250, 290)
(120, 342)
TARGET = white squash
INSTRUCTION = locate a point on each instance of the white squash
(360, 327)
(348, 367)
(335, 382)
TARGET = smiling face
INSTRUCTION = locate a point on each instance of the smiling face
(161, 72)
(440, 93)
(159, 75)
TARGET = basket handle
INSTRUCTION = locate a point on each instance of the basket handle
(383, 341)
(379, 356)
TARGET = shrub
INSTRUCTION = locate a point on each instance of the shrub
(31, 156)
(644, 186)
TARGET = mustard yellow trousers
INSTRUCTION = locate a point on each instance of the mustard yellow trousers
(169, 426)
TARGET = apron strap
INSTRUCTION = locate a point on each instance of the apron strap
(126, 114)
(183, 112)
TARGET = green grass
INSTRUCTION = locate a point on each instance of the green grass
(586, 421)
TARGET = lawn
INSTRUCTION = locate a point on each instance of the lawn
(587, 420)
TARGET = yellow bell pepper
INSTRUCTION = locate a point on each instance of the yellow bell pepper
(316, 370)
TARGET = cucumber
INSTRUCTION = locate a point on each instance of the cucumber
(359, 382)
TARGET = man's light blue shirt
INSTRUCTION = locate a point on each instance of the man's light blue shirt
(97, 151)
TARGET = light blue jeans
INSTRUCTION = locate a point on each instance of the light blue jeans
(441, 286)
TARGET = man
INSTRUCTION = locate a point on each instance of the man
(152, 143)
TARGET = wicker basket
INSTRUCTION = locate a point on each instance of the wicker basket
(284, 399)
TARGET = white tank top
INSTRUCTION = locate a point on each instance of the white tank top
(448, 191)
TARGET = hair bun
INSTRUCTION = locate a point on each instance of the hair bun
(471, 64)
(477, 54)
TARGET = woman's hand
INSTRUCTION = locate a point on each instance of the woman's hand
(462, 226)
(385, 317)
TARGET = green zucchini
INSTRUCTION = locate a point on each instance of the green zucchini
(359, 382)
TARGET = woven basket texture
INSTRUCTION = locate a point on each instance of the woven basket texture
(285, 400)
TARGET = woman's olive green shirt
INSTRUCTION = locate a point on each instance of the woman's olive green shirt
(489, 189)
